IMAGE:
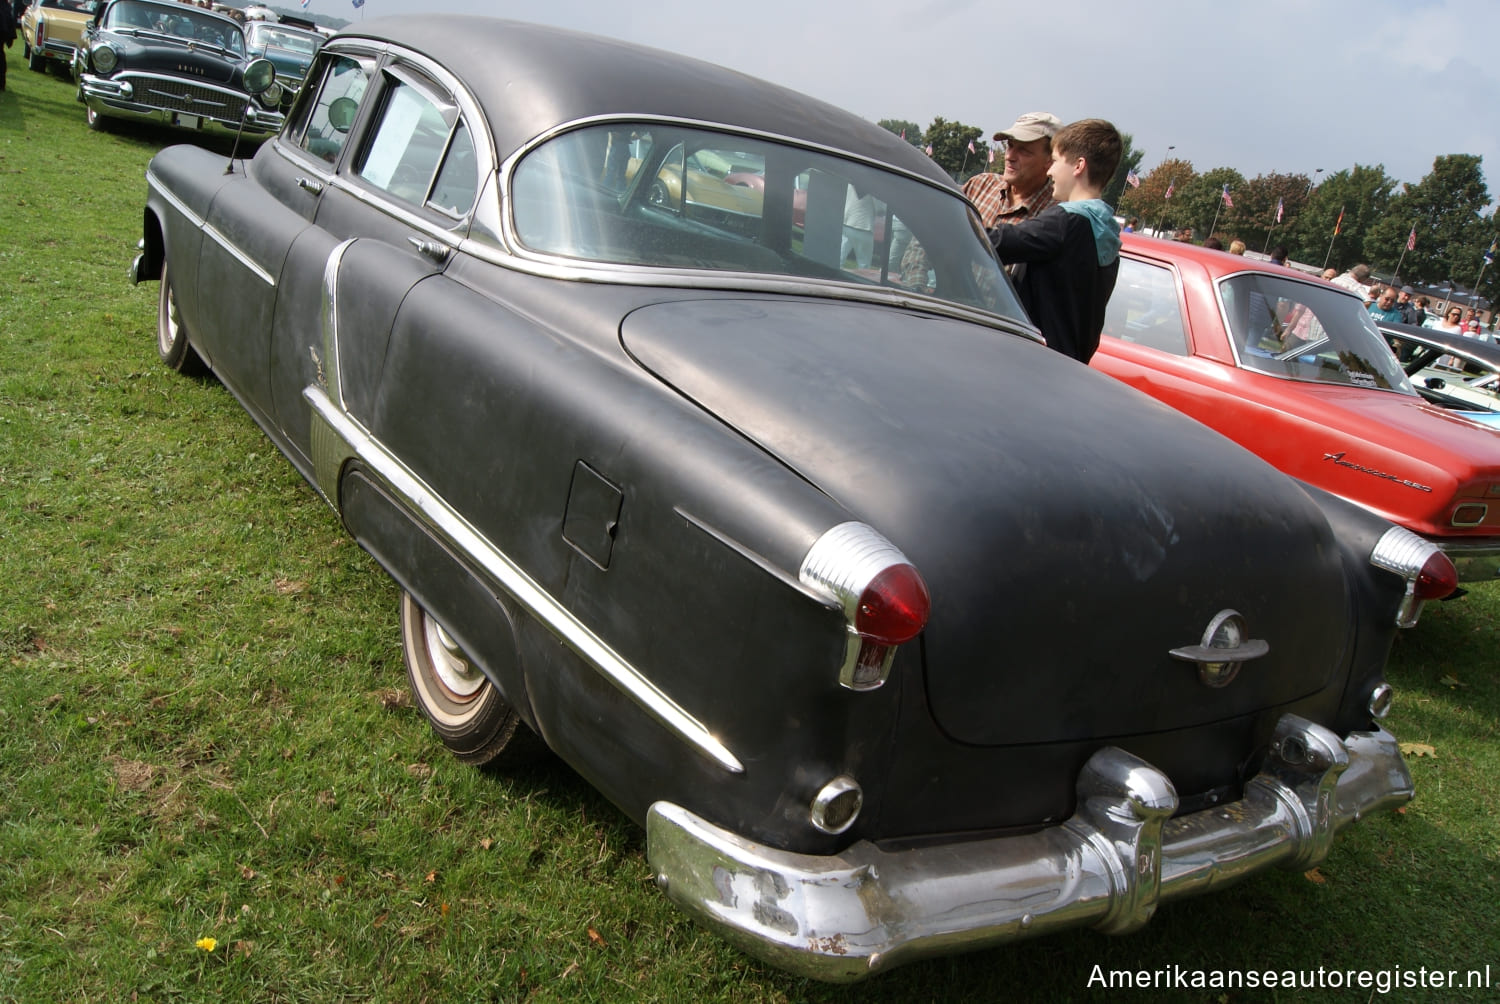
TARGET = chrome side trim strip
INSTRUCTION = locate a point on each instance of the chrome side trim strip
(244, 259)
(154, 183)
(845, 916)
(457, 532)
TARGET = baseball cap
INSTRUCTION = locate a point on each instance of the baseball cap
(1032, 125)
(1407, 290)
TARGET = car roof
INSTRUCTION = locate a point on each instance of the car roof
(1459, 345)
(1217, 263)
(530, 79)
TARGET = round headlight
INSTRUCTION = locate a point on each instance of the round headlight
(105, 58)
(271, 96)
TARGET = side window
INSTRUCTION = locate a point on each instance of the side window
(1144, 308)
(415, 135)
(458, 178)
(322, 123)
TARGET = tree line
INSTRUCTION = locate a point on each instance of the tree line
(1358, 214)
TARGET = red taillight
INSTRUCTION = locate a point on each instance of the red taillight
(1436, 579)
(1429, 573)
(883, 598)
(41, 33)
(893, 608)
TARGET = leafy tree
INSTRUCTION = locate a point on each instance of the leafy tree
(1203, 201)
(1444, 210)
(909, 131)
(1254, 218)
(1362, 196)
(1130, 160)
(1150, 203)
(950, 142)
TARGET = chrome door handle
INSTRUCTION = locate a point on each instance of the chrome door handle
(429, 249)
(308, 185)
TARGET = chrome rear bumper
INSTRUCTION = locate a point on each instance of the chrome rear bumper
(843, 917)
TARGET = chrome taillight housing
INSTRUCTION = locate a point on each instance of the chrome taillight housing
(884, 599)
(1429, 573)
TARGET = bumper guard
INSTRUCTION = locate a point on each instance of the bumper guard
(843, 917)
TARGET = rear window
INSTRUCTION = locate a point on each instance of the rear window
(678, 197)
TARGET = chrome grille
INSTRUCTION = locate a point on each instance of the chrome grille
(177, 95)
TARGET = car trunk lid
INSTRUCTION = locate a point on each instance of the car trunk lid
(1073, 532)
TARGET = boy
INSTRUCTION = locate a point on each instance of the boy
(1068, 255)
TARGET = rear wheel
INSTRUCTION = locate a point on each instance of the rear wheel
(463, 707)
(36, 60)
(171, 337)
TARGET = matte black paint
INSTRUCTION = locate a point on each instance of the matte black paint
(1072, 531)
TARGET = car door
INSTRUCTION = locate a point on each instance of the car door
(243, 277)
(397, 208)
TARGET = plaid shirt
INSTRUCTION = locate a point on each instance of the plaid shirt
(988, 192)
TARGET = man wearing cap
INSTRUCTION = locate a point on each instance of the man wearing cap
(1018, 193)
(1023, 189)
(1410, 312)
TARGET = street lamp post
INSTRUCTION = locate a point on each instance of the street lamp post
(1314, 182)
(1163, 218)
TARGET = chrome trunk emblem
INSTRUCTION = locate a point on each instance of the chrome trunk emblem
(1225, 648)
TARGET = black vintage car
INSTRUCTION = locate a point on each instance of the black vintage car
(176, 65)
(900, 632)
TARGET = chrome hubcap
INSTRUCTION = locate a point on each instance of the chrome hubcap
(450, 666)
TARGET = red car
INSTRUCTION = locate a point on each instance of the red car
(1295, 370)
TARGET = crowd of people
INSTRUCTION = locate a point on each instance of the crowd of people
(1386, 302)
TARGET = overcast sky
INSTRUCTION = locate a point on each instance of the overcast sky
(1261, 86)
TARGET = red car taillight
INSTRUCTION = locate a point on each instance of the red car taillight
(884, 599)
(1429, 573)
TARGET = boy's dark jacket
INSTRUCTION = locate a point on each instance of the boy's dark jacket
(1067, 258)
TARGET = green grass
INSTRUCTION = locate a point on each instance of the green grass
(204, 730)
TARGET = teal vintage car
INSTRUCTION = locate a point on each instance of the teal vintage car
(290, 48)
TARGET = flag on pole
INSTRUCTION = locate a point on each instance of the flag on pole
(305, 3)
(1338, 224)
(1489, 256)
(971, 147)
(1279, 207)
(1132, 179)
(361, 3)
(1228, 202)
(903, 131)
(1411, 238)
(1169, 189)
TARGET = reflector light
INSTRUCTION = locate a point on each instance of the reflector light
(893, 608)
(1470, 514)
(1436, 579)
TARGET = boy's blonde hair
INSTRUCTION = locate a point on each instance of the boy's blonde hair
(1097, 142)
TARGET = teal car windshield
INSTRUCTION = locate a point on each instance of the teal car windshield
(680, 197)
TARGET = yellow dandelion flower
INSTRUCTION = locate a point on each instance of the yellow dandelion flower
(207, 944)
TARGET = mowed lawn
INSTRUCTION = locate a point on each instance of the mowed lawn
(205, 731)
